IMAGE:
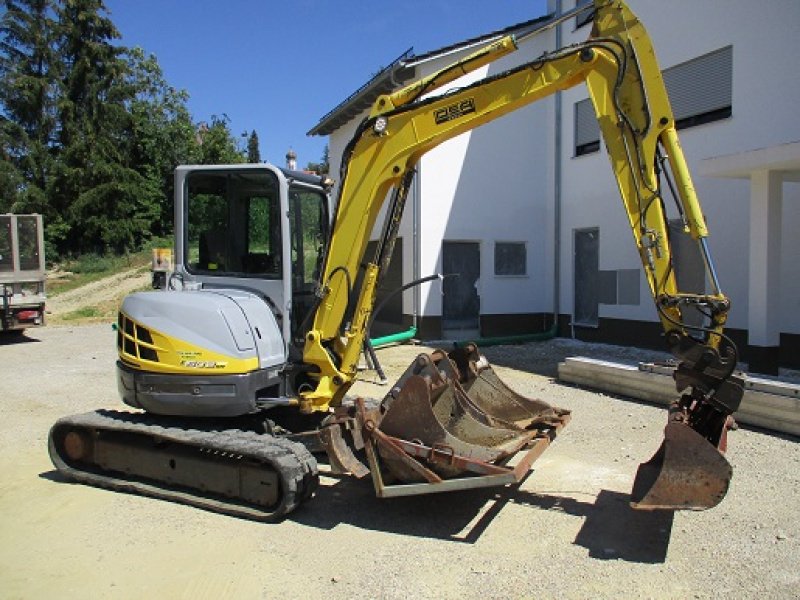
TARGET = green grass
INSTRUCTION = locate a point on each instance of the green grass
(87, 312)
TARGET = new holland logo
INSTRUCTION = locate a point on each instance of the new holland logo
(454, 111)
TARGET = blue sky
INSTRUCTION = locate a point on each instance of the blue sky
(277, 67)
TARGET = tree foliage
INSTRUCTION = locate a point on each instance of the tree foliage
(253, 152)
(90, 131)
(216, 144)
(323, 166)
(29, 74)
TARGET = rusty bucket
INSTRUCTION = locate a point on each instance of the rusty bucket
(687, 472)
(450, 423)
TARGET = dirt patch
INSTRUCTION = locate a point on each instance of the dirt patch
(99, 299)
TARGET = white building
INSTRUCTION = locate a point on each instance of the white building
(526, 208)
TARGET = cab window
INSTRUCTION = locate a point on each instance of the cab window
(233, 224)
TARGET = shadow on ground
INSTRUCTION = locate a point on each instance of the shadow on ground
(9, 338)
(541, 360)
(611, 529)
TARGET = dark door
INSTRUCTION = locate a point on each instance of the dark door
(690, 274)
(461, 304)
(390, 317)
(587, 244)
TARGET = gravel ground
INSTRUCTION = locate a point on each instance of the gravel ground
(565, 532)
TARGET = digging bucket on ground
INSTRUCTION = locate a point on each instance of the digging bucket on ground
(450, 423)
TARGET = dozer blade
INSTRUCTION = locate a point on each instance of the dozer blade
(686, 473)
(432, 434)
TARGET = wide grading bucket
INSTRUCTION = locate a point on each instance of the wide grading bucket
(450, 423)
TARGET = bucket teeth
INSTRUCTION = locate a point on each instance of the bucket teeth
(456, 406)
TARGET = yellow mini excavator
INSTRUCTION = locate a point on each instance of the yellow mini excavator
(240, 371)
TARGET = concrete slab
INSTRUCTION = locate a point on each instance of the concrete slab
(766, 403)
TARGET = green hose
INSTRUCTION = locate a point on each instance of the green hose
(394, 338)
(501, 340)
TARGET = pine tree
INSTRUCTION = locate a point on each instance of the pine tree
(28, 89)
(322, 167)
(325, 167)
(109, 205)
(253, 153)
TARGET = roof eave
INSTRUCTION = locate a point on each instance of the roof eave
(403, 70)
(388, 80)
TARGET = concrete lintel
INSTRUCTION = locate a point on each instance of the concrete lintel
(781, 158)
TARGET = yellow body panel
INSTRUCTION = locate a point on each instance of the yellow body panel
(144, 348)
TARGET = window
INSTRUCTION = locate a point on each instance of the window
(510, 258)
(585, 17)
(233, 224)
(28, 240)
(607, 288)
(309, 225)
(587, 131)
(619, 287)
(700, 91)
(628, 286)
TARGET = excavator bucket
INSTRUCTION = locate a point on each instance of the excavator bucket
(450, 423)
(492, 395)
(686, 473)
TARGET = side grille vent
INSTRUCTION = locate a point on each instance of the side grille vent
(135, 340)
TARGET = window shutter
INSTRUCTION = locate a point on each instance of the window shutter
(701, 85)
(587, 131)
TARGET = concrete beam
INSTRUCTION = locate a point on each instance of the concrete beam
(770, 404)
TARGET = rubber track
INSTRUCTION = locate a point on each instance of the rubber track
(295, 465)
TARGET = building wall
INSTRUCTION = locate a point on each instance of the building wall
(764, 45)
(488, 186)
(485, 186)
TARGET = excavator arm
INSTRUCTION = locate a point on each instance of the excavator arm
(618, 65)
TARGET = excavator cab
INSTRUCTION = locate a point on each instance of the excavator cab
(249, 244)
(254, 227)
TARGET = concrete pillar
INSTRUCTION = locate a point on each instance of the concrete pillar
(764, 289)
